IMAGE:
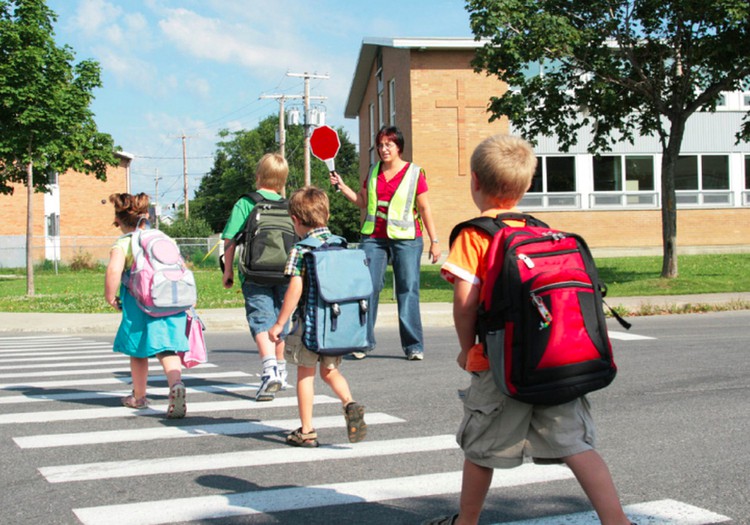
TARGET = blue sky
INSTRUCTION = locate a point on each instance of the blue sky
(194, 67)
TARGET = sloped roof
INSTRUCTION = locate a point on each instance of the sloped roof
(369, 51)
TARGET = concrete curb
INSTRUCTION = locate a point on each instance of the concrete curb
(433, 315)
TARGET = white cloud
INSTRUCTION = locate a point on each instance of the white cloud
(93, 16)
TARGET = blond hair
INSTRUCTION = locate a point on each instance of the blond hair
(504, 166)
(271, 172)
(310, 206)
(129, 209)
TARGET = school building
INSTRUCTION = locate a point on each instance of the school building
(73, 219)
(428, 88)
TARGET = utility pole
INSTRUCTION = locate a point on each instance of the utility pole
(157, 211)
(185, 174)
(282, 130)
(307, 123)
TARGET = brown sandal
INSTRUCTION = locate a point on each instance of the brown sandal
(302, 439)
(135, 402)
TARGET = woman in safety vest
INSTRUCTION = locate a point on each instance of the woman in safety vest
(397, 213)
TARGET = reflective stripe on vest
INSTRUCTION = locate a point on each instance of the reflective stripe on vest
(400, 215)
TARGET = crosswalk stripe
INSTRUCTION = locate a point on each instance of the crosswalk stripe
(625, 336)
(663, 512)
(32, 348)
(86, 396)
(107, 362)
(62, 356)
(218, 429)
(81, 414)
(246, 458)
(69, 383)
(296, 498)
(83, 372)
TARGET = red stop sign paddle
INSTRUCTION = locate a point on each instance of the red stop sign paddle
(324, 143)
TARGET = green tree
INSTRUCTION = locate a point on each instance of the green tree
(46, 124)
(233, 174)
(617, 67)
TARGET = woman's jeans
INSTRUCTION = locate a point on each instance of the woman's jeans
(405, 257)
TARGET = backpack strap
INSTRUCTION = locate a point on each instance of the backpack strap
(254, 196)
(492, 225)
(315, 243)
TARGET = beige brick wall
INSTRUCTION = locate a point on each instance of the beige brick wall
(85, 221)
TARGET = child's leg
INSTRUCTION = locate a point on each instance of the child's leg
(305, 395)
(354, 413)
(281, 364)
(173, 370)
(139, 374)
(593, 475)
(270, 380)
(474, 486)
(337, 382)
(172, 367)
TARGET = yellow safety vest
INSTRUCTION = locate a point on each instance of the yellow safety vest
(400, 210)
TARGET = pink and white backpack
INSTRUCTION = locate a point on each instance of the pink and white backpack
(159, 280)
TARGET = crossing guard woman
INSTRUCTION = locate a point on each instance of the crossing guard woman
(397, 214)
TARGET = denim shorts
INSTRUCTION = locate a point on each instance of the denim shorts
(497, 431)
(262, 305)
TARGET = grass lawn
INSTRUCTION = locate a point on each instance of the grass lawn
(83, 290)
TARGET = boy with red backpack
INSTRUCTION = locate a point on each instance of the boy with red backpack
(498, 430)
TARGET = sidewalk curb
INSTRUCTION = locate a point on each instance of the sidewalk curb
(434, 315)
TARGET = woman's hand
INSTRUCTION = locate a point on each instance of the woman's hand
(336, 179)
(434, 252)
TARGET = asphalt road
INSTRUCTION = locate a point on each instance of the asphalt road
(673, 428)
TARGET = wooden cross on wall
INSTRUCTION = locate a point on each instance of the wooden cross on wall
(461, 103)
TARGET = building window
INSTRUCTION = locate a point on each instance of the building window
(747, 172)
(392, 100)
(623, 173)
(553, 185)
(703, 180)
(381, 115)
(702, 172)
(554, 174)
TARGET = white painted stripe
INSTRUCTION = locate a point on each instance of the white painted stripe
(66, 364)
(663, 512)
(219, 429)
(296, 498)
(35, 337)
(30, 348)
(83, 372)
(162, 391)
(153, 410)
(247, 458)
(69, 383)
(58, 352)
(627, 336)
(58, 356)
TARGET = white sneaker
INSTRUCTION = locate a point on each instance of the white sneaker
(283, 376)
(269, 385)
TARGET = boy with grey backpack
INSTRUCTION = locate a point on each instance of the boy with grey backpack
(260, 230)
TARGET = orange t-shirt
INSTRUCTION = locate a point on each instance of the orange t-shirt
(467, 261)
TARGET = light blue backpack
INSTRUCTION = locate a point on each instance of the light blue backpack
(336, 322)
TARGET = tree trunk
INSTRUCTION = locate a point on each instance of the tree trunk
(669, 200)
(29, 229)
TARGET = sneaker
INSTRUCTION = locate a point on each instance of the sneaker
(356, 427)
(415, 356)
(283, 376)
(269, 385)
(177, 407)
(358, 355)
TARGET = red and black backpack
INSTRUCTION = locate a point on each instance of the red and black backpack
(541, 318)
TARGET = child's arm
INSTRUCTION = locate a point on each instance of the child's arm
(465, 304)
(113, 277)
(291, 300)
(228, 277)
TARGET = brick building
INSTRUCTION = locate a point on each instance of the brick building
(427, 87)
(75, 217)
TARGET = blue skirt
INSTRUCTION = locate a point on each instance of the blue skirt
(141, 335)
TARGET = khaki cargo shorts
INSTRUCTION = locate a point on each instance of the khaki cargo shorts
(296, 353)
(497, 431)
